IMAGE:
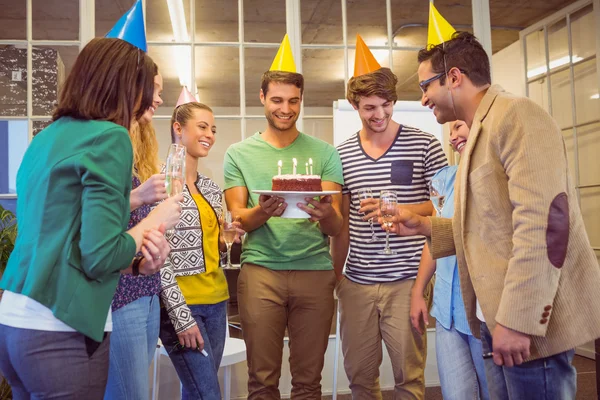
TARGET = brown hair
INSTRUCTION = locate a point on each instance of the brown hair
(381, 83)
(110, 81)
(184, 113)
(464, 52)
(145, 150)
(288, 78)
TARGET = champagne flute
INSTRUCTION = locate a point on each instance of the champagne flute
(388, 200)
(365, 194)
(437, 194)
(175, 172)
(229, 233)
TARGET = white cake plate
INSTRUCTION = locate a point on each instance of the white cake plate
(293, 198)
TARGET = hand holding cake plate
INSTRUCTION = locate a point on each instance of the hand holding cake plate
(292, 198)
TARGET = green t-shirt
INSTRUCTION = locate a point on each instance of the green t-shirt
(282, 243)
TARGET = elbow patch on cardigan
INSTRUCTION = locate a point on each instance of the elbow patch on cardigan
(557, 233)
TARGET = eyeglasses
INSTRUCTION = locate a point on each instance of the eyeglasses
(424, 85)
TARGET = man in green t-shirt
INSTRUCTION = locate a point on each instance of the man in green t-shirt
(287, 277)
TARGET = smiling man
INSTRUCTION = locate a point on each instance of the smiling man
(287, 277)
(374, 291)
(525, 262)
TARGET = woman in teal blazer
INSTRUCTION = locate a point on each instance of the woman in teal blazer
(73, 206)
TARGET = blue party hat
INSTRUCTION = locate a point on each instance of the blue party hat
(130, 27)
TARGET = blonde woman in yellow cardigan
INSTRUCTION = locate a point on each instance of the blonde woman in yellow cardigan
(194, 289)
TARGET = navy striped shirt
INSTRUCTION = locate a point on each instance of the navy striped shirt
(406, 167)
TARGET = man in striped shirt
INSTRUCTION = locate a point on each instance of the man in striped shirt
(374, 290)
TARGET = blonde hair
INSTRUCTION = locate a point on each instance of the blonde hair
(145, 150)
(185, 112)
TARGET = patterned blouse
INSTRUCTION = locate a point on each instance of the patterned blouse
(131, 287)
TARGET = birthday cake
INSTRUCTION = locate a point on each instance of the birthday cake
(297, 183)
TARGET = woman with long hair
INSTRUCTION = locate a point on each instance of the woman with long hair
(135, 306)
(193, 322)
(74, 186)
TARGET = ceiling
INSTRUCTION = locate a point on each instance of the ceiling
(218, 68)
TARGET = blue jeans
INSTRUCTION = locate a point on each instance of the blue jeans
(460, 365)
(132, 346)
(53, 365)
(198, 374)
(550, 378)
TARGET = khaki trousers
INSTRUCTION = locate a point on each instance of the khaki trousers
(368, 315)
(271, 301)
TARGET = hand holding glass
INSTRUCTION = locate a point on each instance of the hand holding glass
(365, 194)
(229, 232)
(175, 172)
(388, 200)
(437, 194)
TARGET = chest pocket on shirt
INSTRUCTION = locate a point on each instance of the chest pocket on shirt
(402, 172)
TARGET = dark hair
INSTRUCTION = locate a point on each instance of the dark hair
(464, 52)
(381, 83)
(110, 81)
(183, 113)
(289, 78)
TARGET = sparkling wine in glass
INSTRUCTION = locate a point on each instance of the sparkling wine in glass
(228, 230)
(365, 194)
(175, 172)
(437, 194)
(388, 201)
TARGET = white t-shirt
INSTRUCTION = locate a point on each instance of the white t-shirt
(20, 311)
(479, 313)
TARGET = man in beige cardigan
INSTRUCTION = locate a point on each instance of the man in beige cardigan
(529, 277)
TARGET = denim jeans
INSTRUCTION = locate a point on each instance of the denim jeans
(550, 378)
(460, 365)
(53, 365)
(198, 373)
(132, 346)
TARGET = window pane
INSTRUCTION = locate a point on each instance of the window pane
(160, 19)
(264, 24)
(217, 21)
(55, 19)
(405, 68)
(590, 209)
(558, 44)
(13, 101)
(13, 23)
(38, 126)
(323, 72)
(583, 32)
(536, 54)
(108, 12)
(175, 66)
(321, 21)
(586, 92)
(51, 66)
(14, 140)
(570, 145)
(255, 125)
(370, 22)
(538, 92)
(562, 109)
(321, 128)
(257, 62)
(588, 147)
(218, 77)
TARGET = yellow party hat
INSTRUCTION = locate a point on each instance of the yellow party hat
(439, 30)
(364, 62)
(284, 60)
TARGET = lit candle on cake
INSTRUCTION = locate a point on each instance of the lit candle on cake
(310, 163)
(306, 168)
(279, 165)
(295, 164)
